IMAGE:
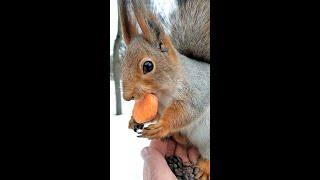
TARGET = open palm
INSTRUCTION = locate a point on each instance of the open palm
(155, 165)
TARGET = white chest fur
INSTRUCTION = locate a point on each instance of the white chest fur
(198, 132)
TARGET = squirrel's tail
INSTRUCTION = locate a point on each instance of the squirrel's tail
(190, 28)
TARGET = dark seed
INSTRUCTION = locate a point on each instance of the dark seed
(195, 170)
(178, 172)
(140, 126)
(186, 177)
(181, 170)
(189, 170)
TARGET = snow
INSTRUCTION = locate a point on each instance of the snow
(125, 147)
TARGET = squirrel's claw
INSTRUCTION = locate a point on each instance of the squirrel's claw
(155, 131)
(134, 125)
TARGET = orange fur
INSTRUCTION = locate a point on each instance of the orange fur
(139, 15)
(172, 120)
(204, 166)
(174, 115)
(128, 28)
(180, 139)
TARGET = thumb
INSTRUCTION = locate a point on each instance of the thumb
(155, 165)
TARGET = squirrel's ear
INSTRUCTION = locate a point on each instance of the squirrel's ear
(152, 30)
(140, 13)
(128, 27)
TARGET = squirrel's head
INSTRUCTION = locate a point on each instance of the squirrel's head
(150, 62)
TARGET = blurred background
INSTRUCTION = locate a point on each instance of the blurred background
(125, 147)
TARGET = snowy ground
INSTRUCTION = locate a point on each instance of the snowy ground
(125, 147)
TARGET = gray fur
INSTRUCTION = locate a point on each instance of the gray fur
(198, 77)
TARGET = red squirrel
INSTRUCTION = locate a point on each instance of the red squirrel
(174, 67)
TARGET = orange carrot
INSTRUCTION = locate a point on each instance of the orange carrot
(146, 109)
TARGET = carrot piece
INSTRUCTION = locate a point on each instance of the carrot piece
(145, 109)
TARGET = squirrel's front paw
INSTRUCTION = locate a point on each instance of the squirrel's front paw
(131, 123)
(155, 131)
(134, 125)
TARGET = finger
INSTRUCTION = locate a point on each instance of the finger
(155, 166)
(171, 147)
(159, 145)
(182, 153)
(193, 154)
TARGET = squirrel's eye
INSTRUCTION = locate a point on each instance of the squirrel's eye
(147, 67)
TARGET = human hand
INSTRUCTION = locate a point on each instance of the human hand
(155, 164)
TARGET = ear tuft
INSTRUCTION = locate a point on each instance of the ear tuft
(155, 28)
(151, 28)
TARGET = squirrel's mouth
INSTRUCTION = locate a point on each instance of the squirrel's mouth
(140, 97)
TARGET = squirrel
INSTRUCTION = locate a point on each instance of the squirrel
(175, 67)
